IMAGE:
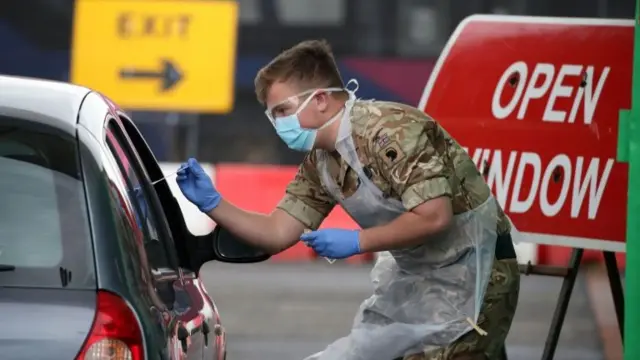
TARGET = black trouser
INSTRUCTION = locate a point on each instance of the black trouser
(504, 247)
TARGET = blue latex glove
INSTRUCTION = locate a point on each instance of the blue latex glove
(333, 243)
(197, 186)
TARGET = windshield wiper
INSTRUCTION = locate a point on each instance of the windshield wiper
(4, 267)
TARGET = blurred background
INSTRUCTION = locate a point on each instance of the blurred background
(390, 46)
(272, 311)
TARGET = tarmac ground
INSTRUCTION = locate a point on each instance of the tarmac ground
(279, 311)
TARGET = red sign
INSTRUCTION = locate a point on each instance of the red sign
(535, 101)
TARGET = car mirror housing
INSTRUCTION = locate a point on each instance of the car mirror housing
(229, 248)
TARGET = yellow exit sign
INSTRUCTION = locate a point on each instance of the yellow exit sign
(167, 55)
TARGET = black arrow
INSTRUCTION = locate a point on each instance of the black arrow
(169, 74)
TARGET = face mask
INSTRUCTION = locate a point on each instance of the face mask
(289, 129)
(297, 138)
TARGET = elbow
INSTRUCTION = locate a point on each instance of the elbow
(279, 242)
(276, 248)
(437, 215)
(442, 214)
(279, 247)
(272, 247)
(275, 244)
(442, 221)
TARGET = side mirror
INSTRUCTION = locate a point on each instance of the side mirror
(229, 248)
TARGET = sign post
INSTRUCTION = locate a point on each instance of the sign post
(172, 55)
(629, 151)
(536, 109)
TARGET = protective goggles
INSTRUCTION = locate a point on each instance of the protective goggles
(294, 104)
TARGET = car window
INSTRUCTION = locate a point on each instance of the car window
(44, 228)
(144, 261)
(170, 208)
(145, 218)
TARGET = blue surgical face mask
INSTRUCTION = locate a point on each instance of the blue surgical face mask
(296, 138)
(289, 129)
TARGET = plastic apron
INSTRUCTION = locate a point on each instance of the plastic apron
(424, 297)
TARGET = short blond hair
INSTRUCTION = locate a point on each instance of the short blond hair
(310, 63)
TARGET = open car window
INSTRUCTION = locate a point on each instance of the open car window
(44, 230)
(170, 206)
(145, 217)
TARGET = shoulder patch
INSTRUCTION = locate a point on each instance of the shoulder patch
(391, 154)
(382, 140)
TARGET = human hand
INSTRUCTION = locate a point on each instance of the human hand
(197, 186)
(333, 243)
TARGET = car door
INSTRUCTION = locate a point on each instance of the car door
(185, 339)
(208, 323)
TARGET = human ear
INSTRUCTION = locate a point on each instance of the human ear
(322, 101)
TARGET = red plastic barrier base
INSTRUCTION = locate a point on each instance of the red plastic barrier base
(560, 255)
(260, 188)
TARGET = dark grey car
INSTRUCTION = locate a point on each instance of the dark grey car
(96, 262)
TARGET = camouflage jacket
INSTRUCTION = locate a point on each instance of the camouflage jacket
(409, 157)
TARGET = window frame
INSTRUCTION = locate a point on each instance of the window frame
(168, 205)
(157, 283)
(113, 125)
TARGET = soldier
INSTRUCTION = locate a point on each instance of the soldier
(446, 279)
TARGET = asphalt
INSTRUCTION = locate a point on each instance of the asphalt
(288, 311)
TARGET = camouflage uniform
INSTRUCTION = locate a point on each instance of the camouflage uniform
(408, 156)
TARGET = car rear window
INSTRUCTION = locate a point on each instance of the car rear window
(44, 232)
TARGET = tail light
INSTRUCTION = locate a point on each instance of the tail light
(115, 333)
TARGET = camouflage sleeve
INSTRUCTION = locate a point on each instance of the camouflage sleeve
(305, 198)
(407, 150)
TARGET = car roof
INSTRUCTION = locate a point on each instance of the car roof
(49, 102)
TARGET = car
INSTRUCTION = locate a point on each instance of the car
(96, 260)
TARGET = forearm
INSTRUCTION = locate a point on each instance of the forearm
(258, 229)
(407, 230)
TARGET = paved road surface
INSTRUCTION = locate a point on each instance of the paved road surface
(288, 311)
